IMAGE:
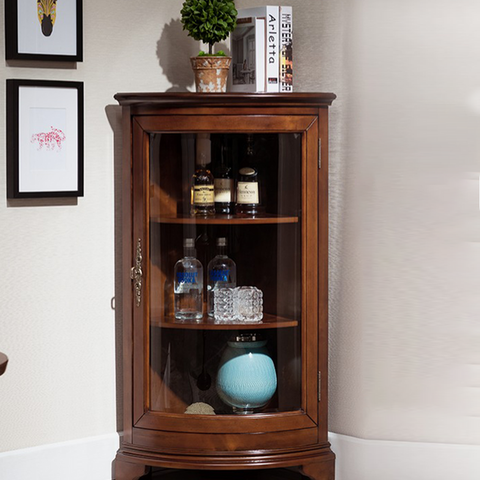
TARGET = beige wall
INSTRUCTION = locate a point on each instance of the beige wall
(404, 220)
(405, 255)
(57, 258)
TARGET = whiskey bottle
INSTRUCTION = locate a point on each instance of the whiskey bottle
(224, 186)
(248, 184)
(222, 273)
(203, 197)
(248, 192)
(188, 285)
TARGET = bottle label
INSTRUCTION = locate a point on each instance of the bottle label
(223, 190)
(219, 275)
(203, 195)
(247, 192)
(187, 277)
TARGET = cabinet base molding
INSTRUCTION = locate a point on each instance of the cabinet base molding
(321, 470)
(125, 470)
(316, 464)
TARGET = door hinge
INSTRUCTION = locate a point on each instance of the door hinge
(319, 153)
(319, 386)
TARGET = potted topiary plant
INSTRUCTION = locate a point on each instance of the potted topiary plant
(210, 21)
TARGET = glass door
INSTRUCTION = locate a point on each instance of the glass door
(229, 318)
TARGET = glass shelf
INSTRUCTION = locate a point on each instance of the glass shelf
(224, 219)
(269, 321)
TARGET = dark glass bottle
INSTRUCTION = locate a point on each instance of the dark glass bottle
(203, 196)
(224, 185)
(249, 191)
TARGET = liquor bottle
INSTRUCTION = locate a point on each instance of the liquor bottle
(224, 186)
(222, 273)
(248, 192)
(203, 197)
(188, 284)
(248, 184)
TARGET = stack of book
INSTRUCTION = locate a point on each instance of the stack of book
(261, 47)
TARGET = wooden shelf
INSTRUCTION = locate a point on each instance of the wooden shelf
(224, 219)
(269, 321)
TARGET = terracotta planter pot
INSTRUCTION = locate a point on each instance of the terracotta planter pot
(211, 73)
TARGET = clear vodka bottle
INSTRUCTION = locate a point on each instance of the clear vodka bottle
(222, 273)
(188, 285)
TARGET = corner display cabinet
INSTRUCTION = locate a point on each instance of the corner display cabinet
(242, 391)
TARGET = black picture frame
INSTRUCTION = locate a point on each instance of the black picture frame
(31, 103)
(68, 43)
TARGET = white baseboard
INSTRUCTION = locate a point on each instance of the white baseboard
(82, 459)
(359, 459)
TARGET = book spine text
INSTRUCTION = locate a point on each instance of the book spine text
(286, 49)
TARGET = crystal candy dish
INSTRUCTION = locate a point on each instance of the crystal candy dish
(240, 304)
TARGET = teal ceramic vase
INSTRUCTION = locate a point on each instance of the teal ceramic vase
(246, 377)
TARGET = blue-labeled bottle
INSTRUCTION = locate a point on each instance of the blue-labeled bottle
(188, 285)
(222, 273)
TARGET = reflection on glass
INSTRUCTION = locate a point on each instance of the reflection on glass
(189, 345)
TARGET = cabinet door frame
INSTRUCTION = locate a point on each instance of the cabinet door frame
(308, 417)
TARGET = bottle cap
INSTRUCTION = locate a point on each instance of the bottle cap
(247, 171)
(221, 242)
(188, 243)
(204, 149)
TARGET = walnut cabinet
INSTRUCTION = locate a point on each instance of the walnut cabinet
(169, 365)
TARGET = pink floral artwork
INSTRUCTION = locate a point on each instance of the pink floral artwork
(51, 140)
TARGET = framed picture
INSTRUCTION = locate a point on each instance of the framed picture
(44, 139)
(44, 30)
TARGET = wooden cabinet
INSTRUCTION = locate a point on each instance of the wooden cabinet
(170, 364)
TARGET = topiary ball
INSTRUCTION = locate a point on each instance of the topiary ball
(209, 21)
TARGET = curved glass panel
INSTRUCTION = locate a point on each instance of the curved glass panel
(225, 273)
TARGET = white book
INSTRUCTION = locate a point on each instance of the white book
(286, 49)
(247, 73)
(261, 77)
(272, 45)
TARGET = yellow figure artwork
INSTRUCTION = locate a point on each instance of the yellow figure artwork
(47, 12)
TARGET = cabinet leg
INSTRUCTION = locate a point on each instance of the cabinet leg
(319, 470)
(124, 470)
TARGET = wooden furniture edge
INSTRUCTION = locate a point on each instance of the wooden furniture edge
(190, 99)
(240, 461)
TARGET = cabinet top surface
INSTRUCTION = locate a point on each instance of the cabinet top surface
(189, 99)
